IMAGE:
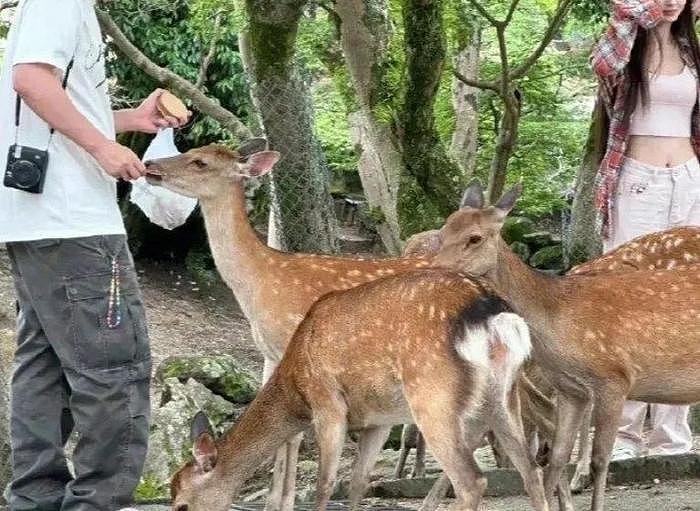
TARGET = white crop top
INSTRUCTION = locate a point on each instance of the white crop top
(670, 107)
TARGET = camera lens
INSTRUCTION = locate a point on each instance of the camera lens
(25, 174)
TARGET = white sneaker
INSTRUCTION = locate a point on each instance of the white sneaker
(624, 451)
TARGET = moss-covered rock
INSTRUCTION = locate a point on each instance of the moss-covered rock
(540, 239)
(221, 374)
(516, 227)
(548, 258)
(169, 439)
(522, 249)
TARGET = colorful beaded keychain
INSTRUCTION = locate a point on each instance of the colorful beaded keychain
(114, 313)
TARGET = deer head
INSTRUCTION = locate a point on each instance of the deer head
(198, 485)
(205, 172)
(472, 235)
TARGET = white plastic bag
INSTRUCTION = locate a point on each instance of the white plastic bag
(163, 207)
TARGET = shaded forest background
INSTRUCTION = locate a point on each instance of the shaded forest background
(397, 103)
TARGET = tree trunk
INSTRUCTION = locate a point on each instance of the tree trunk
(300, 191)
(507, 137)
(582, 241)
(465, 99)
(364, 32)
(431, 187)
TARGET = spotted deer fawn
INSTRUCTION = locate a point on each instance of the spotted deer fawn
(600, 338)
(274, 289)
(429, 347)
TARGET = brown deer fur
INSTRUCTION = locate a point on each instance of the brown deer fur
(274, 289)
(599, 337)
(429, 346)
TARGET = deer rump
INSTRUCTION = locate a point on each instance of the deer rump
(431, 348)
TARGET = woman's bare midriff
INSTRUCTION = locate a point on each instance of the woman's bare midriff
(660, 151)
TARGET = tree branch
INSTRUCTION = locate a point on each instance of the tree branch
(206, 61)
(475, 83)
(482, 10)
(554, 25)
(511, 11)
(169, 79)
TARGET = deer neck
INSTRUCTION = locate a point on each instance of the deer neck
(239, 254)
(269, 422)
(532, 294)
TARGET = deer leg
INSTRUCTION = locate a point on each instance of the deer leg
(607, 412)
(403, 453)
(582, 475)
(419, 466)
(508, 429)
(274, 501)
(330, 427)
(370, 445)
(442, 423)
(291, 457)
(569, 413)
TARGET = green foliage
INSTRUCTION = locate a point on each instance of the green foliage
(150, 489)
(556, 107)
(177, 35)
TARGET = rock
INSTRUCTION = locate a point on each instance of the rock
(169, 441)
(540, 239)
(516, 227)
(548, 258)
(221, 374)
(6, 349)
(695, 419)
(521, 249)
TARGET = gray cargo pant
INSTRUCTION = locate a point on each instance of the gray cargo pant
(72, 371)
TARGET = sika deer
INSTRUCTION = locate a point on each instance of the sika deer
(274, 289)
(430, 346)
(601, 337)
(660, 250)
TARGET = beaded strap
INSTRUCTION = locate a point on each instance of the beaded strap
(114, 313)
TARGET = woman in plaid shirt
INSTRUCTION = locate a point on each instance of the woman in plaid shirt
(647, 64)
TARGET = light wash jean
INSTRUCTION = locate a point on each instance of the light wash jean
(651, 199)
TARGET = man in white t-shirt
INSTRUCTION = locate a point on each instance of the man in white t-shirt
(82, 361)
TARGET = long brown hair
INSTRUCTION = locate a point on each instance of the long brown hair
(683, 33)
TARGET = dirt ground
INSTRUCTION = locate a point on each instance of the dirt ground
(183, 318)
(671, 496)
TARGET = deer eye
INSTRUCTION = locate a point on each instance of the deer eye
(474, 239)
(200, 164)
(182, 507)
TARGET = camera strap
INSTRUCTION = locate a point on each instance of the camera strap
(18, 105)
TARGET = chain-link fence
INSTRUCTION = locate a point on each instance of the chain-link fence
(303, 213)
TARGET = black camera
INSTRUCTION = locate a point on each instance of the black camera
(26, 169)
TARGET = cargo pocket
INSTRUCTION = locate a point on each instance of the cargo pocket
(96, 344)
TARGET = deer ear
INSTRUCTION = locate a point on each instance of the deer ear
(252, 146)
(473, 196)
(203, 445)
(259, 164)
(508, 200)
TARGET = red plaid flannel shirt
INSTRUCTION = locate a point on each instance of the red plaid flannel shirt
(608, 59)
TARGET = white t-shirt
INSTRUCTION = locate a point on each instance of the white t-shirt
(79, 198)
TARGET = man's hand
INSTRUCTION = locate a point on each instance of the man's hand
(147, 118)
(119, 161)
